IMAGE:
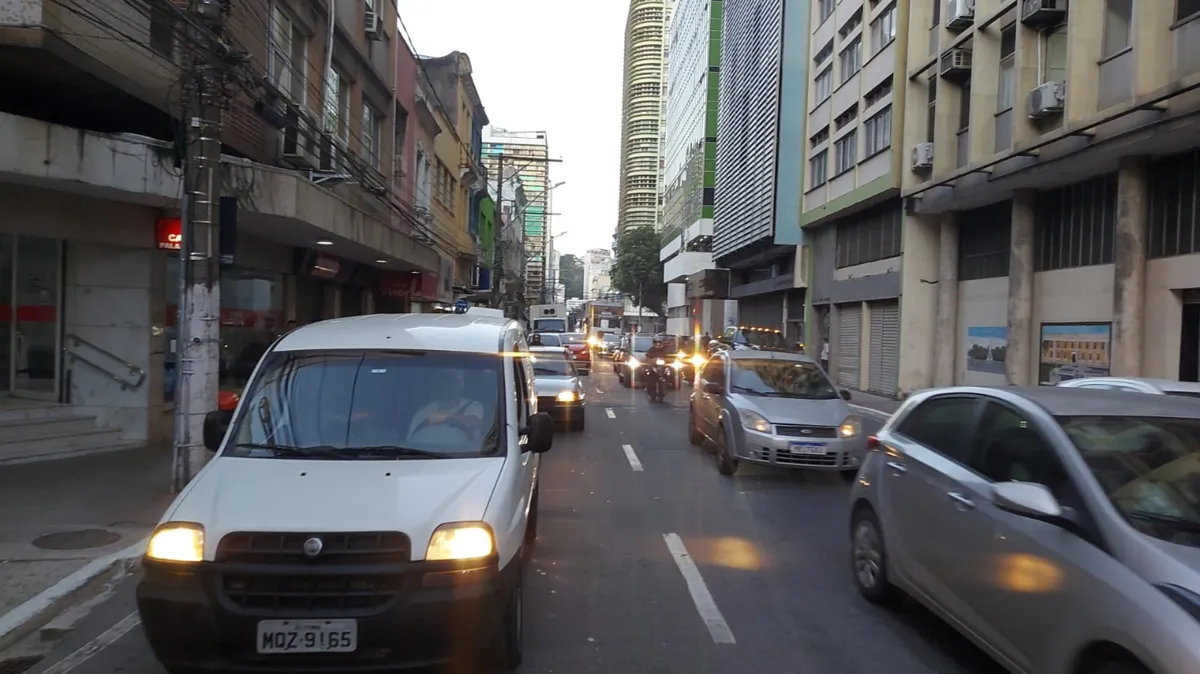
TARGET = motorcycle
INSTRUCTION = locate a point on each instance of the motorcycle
(656, 382)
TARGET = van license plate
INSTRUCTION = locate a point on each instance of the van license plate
(808, 448)
(307, 636)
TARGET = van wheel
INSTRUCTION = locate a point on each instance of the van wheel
(531, 524)
(509, 647)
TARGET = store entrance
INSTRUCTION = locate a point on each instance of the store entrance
(1189, 337)
(30, 316)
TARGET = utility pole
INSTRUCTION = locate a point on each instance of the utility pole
(498, 237)
(199, 303)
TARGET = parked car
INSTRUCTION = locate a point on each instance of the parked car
(1056, 527)
(577, 344)
(1186, 389)
(775, 408)
(370, 499)
(558, 385)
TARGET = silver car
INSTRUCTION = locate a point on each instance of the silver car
(775, 408)
(1058, 528)
(1169, 387)
(558, 386)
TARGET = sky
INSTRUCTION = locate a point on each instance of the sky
(552, 65)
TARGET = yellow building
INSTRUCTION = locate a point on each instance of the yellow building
(1050, 178)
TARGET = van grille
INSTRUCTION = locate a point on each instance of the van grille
(380, 547)
(306, 594)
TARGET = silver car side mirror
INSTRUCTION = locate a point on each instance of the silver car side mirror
(1028, 499)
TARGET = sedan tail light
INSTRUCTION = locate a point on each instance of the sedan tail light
(873, 442)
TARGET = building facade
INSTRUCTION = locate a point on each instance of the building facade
(690, 161)
(597, 273)
(643, 113)
(852, 211)
(526, 155)
(89, 255)
(760, 163)
(1052, 179)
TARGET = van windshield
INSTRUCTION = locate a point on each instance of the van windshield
(371, 405)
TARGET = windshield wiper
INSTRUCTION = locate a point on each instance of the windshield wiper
(752, 391)
(1170, 521)
(312, 452)
(393, 452)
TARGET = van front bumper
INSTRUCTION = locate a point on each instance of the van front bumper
(433, 615)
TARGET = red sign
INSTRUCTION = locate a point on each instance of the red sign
(169, 233)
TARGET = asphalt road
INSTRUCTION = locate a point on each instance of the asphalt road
(672, 568)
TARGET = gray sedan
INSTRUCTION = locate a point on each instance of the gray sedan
(1058, 528)
(774, 408)
(558, 386)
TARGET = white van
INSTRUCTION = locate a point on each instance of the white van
(369, 505)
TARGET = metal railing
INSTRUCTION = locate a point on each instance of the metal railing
(133, 378)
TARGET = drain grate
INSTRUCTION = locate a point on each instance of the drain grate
(18, 665)
(81, 539)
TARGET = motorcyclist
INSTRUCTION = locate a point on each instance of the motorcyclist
(658, 349)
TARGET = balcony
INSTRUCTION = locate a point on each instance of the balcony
(683, 265)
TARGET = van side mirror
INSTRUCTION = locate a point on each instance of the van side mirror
(846, 395)
(539, 434)
(216, 424)
(713, 388)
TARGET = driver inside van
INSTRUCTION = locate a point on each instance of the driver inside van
(448, 409)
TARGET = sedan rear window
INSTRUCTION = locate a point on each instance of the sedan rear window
(551, 364)
(376, 405)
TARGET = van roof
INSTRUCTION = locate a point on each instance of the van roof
(403, 332)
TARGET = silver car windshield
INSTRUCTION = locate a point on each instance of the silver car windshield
(552, 365)
(781, 378)
(371, 405)
(1150, 469)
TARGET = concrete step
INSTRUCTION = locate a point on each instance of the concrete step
(29, 429)
(61, 444)
(26, 410)
(17, 454)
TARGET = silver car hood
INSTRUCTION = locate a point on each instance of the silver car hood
(545, 385)
(794, 410)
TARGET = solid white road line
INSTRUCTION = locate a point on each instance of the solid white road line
(872, 412)
(634, 462)
(91, 648)
(705, 604)
(608, 412)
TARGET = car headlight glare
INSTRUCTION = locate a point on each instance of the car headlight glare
(755, 421)
(177, 542)
(660, 361)
(567, 397)
(851, 426)
(698, 360)
(677, 365)
(460, 541)
(633, 362)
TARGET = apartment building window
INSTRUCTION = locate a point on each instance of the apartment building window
(825, 9)
(1054, 67)
(878, 132)
(1076, 224)
(818, 168)
(1008, 74)
(823, 55)
(883, 29)
(823, 86)
(1118, 24)
(845, 151)
(371, 132)
(1185, 9)
(871, 237)
(985, 242)
(1174, 224)
(964, 108)
(821, 136)
(279, 50)
(850, 59)
(164, 23)
(931, 104)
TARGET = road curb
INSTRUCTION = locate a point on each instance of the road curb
(871, 411)
(35, 613)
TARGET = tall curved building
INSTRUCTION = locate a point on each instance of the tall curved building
(643, 113)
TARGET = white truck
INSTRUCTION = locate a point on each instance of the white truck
(548, 318)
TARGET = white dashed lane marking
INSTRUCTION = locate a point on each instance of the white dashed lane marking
(608, 412)
(634, 462)
(705, 604)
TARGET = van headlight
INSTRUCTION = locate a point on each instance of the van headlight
(177, 542)
(567, 397)
(851, 426)
(459, 541)
(633, 362)
(755, 421)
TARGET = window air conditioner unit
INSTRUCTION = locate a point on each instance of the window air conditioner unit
(960, 14)
(955, 63)
(371, 19)
(1047, 100)
(922, 156)
(296, 142)
(1040, 13)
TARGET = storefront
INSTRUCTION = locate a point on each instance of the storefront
(31, 299)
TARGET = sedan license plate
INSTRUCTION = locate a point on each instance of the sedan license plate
(808, 448)
(307, 636)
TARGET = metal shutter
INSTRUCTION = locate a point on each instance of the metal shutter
(849, 345)
(885, 348)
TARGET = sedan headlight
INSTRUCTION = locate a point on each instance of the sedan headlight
(633, 362)
(567, 397)
(851, 426)
(755, 421)
(177, 542)
(460, 541)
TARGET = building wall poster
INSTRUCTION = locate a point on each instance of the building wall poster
(1073, 351)
(986, 347)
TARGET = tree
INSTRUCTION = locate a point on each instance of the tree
(637, 270)
(570, 274)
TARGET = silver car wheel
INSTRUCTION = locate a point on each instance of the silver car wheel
(868, 558)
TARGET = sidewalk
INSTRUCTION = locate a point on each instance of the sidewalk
(66, 526)
(877, 406)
